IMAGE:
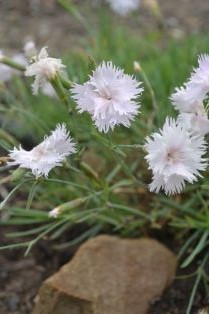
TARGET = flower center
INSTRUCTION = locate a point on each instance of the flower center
(105, 92)
(38, 153)
(172, 156)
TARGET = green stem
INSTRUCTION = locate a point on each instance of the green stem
(67, 84)
(58, 87)
(138, 68)
(131, 146)
(13, 64)
(72, 10)
(149, 87)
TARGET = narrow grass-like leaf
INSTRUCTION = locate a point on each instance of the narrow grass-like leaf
(199, 247)
(89, 233)
(32, 194)
(27, 232)
(3, 203)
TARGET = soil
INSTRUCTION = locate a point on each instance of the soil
(20, 278)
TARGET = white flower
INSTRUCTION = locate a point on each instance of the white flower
(43, 68)
(123, 7)
(174, 156)
(30, 49)
(47, 155)
(195, 122)
(110, 96)
(199, 79)
(188, 97)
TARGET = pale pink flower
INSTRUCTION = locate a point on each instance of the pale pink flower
(189, 99)
(175, 156)
(110, 96)
(186, 99)
(48, 154)
(195, 122)
(191, 95)
(199, 80)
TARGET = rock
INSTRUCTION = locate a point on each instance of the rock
(109, 275)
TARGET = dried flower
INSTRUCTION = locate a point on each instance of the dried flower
(174, 156)
(43, 68)
(47, 155)
(109, 96)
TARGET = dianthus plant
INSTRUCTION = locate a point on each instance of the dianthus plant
(108, 101)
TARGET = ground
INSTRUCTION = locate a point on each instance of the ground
(21, 20)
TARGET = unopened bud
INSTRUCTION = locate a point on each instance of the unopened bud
(54, 213)
(137, 67)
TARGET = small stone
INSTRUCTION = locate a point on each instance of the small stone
(109, 275)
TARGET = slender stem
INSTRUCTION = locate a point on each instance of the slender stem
(138, 68)
(131, 146)
(72, 10)
(150, 89)
(11, 63)
(58, 87)
(67, 84)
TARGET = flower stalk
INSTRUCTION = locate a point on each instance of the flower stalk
(11, 63)
(57, 84)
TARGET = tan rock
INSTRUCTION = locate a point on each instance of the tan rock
(109, 275)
